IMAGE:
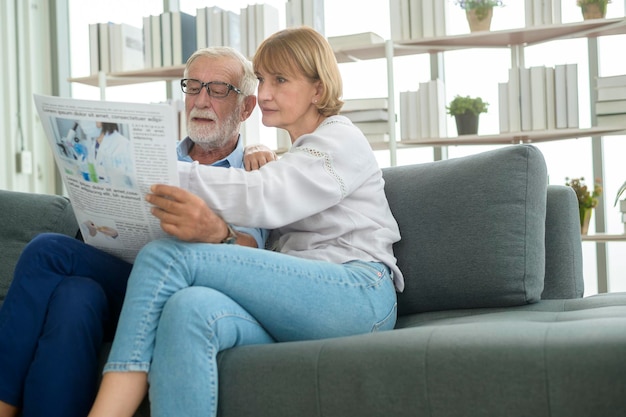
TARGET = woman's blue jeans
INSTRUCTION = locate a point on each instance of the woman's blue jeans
(63, 302)
(185, 302)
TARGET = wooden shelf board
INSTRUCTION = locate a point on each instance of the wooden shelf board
(135, 77)
(604, 237)
(489, 39)
(515, 138)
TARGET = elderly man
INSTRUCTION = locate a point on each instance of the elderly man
(66, 296)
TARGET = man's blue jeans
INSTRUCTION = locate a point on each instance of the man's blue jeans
(63, 302)
(186, 302)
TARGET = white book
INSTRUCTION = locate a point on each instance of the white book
(377, 137)
(538, 12)
(243, 30)
(406, 20)
(515, 123)
(147, 42)
(395, 17)
(201, 25)
(572, 95)
(251, 30)
(547, 17)
(214, 26)
(440, 17)
(611, 81)
(611, 93)
(166, 39)
(126, 45)
(610, 107)
(312, 15)
(405, 103)
(184, 37)
(525, 99)
(611, 120)
(155, 25)
(414, 115)
(293, 13)
(503, 107)
(557, 14)
(230, 29)
(415, 19)
(355, 40)
(560, 95)
(94, 49)
(267, 23)
(428, 18)
(373, 127)
(424, 106)
(529, 16)
(538, 98)
(365, 104)
(437, 109)
(375, 115)
(550, 99)
(103, 47)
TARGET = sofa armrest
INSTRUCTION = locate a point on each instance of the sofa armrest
(564, 276)
(25, 215)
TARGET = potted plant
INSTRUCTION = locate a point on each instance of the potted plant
(479, 12)
(593, 9)
(466, 110)
(587, 200)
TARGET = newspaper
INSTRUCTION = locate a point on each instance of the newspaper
(108, 155)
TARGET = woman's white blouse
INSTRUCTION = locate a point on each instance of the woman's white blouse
(325, 197)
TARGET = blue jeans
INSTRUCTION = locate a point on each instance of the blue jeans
(185, 302)
(63, 302)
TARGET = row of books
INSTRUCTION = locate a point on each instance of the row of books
(539, 98)
(371, 115)
(610, 106)
(417, 19)
(169, 38)
(423, 112)
(115, 47)
(542, 12)
(305, 13)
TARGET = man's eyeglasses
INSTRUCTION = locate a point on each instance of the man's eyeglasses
(215, 89)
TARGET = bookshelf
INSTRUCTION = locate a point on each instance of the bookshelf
(515, 40)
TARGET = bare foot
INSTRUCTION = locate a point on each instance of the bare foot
(7, 410)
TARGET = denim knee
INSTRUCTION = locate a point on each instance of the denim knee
(79, 301)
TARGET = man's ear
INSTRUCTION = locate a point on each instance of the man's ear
(248, 107)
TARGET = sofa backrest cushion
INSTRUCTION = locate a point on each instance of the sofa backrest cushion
(472, 229)
(25, 215)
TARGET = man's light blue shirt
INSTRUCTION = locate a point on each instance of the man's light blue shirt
(233, 160)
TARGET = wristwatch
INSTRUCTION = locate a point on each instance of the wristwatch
(231, 238)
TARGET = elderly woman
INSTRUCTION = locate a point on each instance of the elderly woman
(333, 237)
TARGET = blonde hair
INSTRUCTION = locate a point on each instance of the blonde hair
(247, 81)
(305, 51)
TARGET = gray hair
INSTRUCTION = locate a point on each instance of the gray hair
(248, 82)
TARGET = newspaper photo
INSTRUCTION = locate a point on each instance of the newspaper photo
(108, 155)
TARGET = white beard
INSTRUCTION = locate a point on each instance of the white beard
(214, 136)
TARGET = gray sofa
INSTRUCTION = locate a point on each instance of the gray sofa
(492, 321)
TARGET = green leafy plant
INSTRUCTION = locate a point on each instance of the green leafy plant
(586, 198)
(480, 6)
(461, 105)
(601, 3)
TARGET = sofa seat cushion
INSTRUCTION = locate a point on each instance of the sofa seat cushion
(25, 216)
(473, 229)
(514, 362)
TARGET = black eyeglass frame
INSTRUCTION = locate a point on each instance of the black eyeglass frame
(207, 85)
